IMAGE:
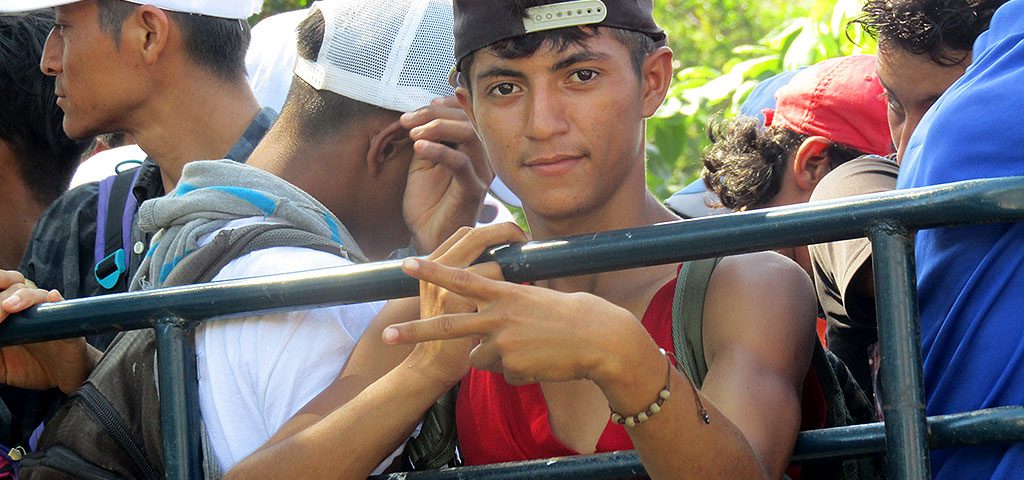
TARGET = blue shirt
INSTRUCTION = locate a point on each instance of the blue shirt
(971, 279)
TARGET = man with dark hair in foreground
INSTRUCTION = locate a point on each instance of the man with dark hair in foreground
(561, 113)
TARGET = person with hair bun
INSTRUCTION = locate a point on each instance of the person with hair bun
(828, 114)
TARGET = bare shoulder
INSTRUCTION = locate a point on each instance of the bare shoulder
(759, 301)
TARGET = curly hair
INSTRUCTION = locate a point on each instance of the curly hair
(744, 165)
(944, 30)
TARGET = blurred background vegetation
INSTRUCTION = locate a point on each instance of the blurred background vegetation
(722, 49)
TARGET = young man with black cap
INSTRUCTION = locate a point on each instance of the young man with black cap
(561, 113)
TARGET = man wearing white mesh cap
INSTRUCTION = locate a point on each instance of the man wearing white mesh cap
(371, 162)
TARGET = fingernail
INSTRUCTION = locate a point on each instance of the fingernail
(406, 115)
(390, 334)
(416, 132)
(12, 301)
(410, 264)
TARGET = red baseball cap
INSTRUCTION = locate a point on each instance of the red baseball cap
(840, 99)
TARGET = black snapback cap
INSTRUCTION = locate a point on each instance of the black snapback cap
(479, 23)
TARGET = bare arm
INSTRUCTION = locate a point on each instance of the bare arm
(758, 345)
(373, 406)
(758, 341)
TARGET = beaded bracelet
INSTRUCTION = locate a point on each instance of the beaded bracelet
(663, 396)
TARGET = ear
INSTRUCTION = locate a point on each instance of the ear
(148, 30)
(655, 77)
(386, 144)
(811, 163)
(465, 99)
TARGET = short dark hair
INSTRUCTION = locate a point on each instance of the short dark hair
(744, 165)
(320, 114)
(640, 44)
(944, 30)
(30, 121)
(217, 44)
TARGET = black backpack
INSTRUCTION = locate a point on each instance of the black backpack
(110, 427)
(845, 402)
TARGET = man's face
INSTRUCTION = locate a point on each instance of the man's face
(912, 84)
(91, 84)
(563, 129)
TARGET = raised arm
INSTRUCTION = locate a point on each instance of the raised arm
(383, 391)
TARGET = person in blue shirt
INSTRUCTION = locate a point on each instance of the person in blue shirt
(971, 278)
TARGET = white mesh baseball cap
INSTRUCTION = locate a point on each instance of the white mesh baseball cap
(234, 9)
(395, 54)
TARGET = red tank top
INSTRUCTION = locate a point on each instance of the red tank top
(498, 422)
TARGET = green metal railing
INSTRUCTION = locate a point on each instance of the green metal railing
(888, 219)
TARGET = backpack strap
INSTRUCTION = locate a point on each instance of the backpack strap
(115, 217)
(206, 262)
(688, 316)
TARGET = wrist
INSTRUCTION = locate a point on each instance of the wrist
(631, 379)
(432, 373)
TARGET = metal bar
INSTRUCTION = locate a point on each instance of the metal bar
(982, 427)
(975, 201)
(995, 425)
(179, 398)
(899, 334)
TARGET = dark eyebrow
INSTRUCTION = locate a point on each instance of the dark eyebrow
(499, 72)
(578, 57)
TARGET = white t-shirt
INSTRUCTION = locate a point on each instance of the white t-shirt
(255, 373)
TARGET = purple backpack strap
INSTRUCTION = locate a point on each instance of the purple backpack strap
(115, 217)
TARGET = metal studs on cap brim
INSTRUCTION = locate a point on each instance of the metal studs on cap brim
(564, 14)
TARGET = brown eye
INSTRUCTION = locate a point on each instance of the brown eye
(504, 89)
(585, 75)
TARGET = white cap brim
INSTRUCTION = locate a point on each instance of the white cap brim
(13, 6)
(234, 9)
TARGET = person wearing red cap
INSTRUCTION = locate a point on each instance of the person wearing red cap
(827, 115)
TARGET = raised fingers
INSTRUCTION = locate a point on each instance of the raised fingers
(457, 280)
(446, 108)
(442, 327)
(475, 242)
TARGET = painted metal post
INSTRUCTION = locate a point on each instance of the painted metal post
(899, 334)
(179, 398)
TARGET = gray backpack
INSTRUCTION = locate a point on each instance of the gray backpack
(110, 427)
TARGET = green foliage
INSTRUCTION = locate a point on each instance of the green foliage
(715, 88)
(270, 7)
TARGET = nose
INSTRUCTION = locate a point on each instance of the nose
(50, 62)
(546, 115)
(909, 125)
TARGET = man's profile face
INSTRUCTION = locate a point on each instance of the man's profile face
(563, 129)
(91, 84)
(912, 84)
